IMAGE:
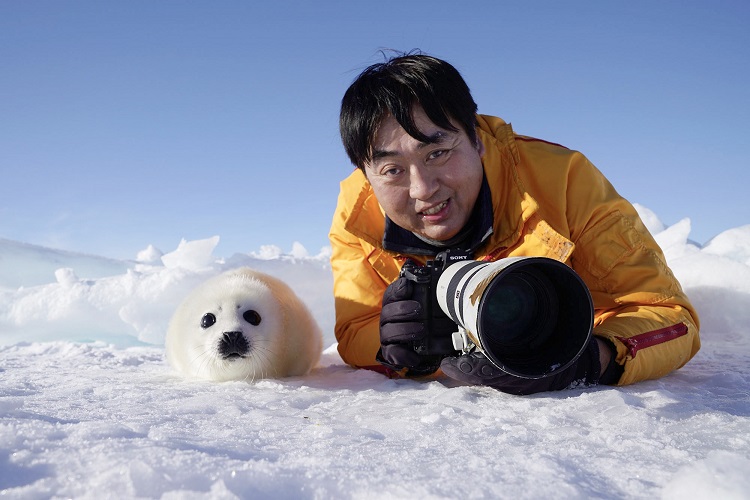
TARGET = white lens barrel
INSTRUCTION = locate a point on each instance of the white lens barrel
(546, 337)
(460, 299)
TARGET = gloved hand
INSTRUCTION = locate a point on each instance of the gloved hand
(402, 322)
(475, 369)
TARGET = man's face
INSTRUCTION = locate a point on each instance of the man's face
(429, 189)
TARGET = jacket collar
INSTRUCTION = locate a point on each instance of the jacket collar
(511, 203)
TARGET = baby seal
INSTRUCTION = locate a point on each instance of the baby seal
(243, 325)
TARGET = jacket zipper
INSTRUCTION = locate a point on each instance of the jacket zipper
(650, 339)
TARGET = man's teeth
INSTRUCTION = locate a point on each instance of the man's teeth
(435, 209)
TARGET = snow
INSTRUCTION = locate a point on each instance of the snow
(90, 409)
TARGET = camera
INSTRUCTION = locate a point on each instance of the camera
(532, 317)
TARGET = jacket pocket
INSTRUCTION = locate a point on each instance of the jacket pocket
(652, 338)
(611, 240)
(385, 265)
(622, 265)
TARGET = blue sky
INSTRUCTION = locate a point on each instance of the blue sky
(143, 122)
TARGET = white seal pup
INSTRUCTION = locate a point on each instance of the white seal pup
(243, 325)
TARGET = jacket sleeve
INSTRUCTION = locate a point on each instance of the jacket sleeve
(639, 304)
(358, 294)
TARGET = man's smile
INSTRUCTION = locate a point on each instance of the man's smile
(435, 210)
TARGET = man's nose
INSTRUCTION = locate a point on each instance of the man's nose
(423, 182)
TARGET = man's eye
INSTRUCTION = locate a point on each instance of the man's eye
(392, 172)
(437, 154)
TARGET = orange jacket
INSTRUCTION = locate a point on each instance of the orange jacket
(547, 201)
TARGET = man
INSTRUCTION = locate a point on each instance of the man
(433, 175)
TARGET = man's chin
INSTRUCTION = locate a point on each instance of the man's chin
(437, 236)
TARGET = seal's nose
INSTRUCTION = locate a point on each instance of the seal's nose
(233, 345)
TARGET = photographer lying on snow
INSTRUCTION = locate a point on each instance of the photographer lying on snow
(431, 176)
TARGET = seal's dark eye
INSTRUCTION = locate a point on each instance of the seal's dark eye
(252, 317)
(208, 320)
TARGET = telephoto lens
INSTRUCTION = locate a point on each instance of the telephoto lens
(531, 316)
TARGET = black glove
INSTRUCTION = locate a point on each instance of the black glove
(402, 321)
(476, 369)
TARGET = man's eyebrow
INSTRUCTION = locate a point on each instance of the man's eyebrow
(377, 154)
(436, 138)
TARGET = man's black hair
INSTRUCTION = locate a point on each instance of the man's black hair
(395, 87)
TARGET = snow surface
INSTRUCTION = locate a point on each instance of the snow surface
(90, 409)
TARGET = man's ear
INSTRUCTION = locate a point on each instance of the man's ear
(480, 146)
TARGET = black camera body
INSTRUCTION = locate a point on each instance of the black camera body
(438, 342)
